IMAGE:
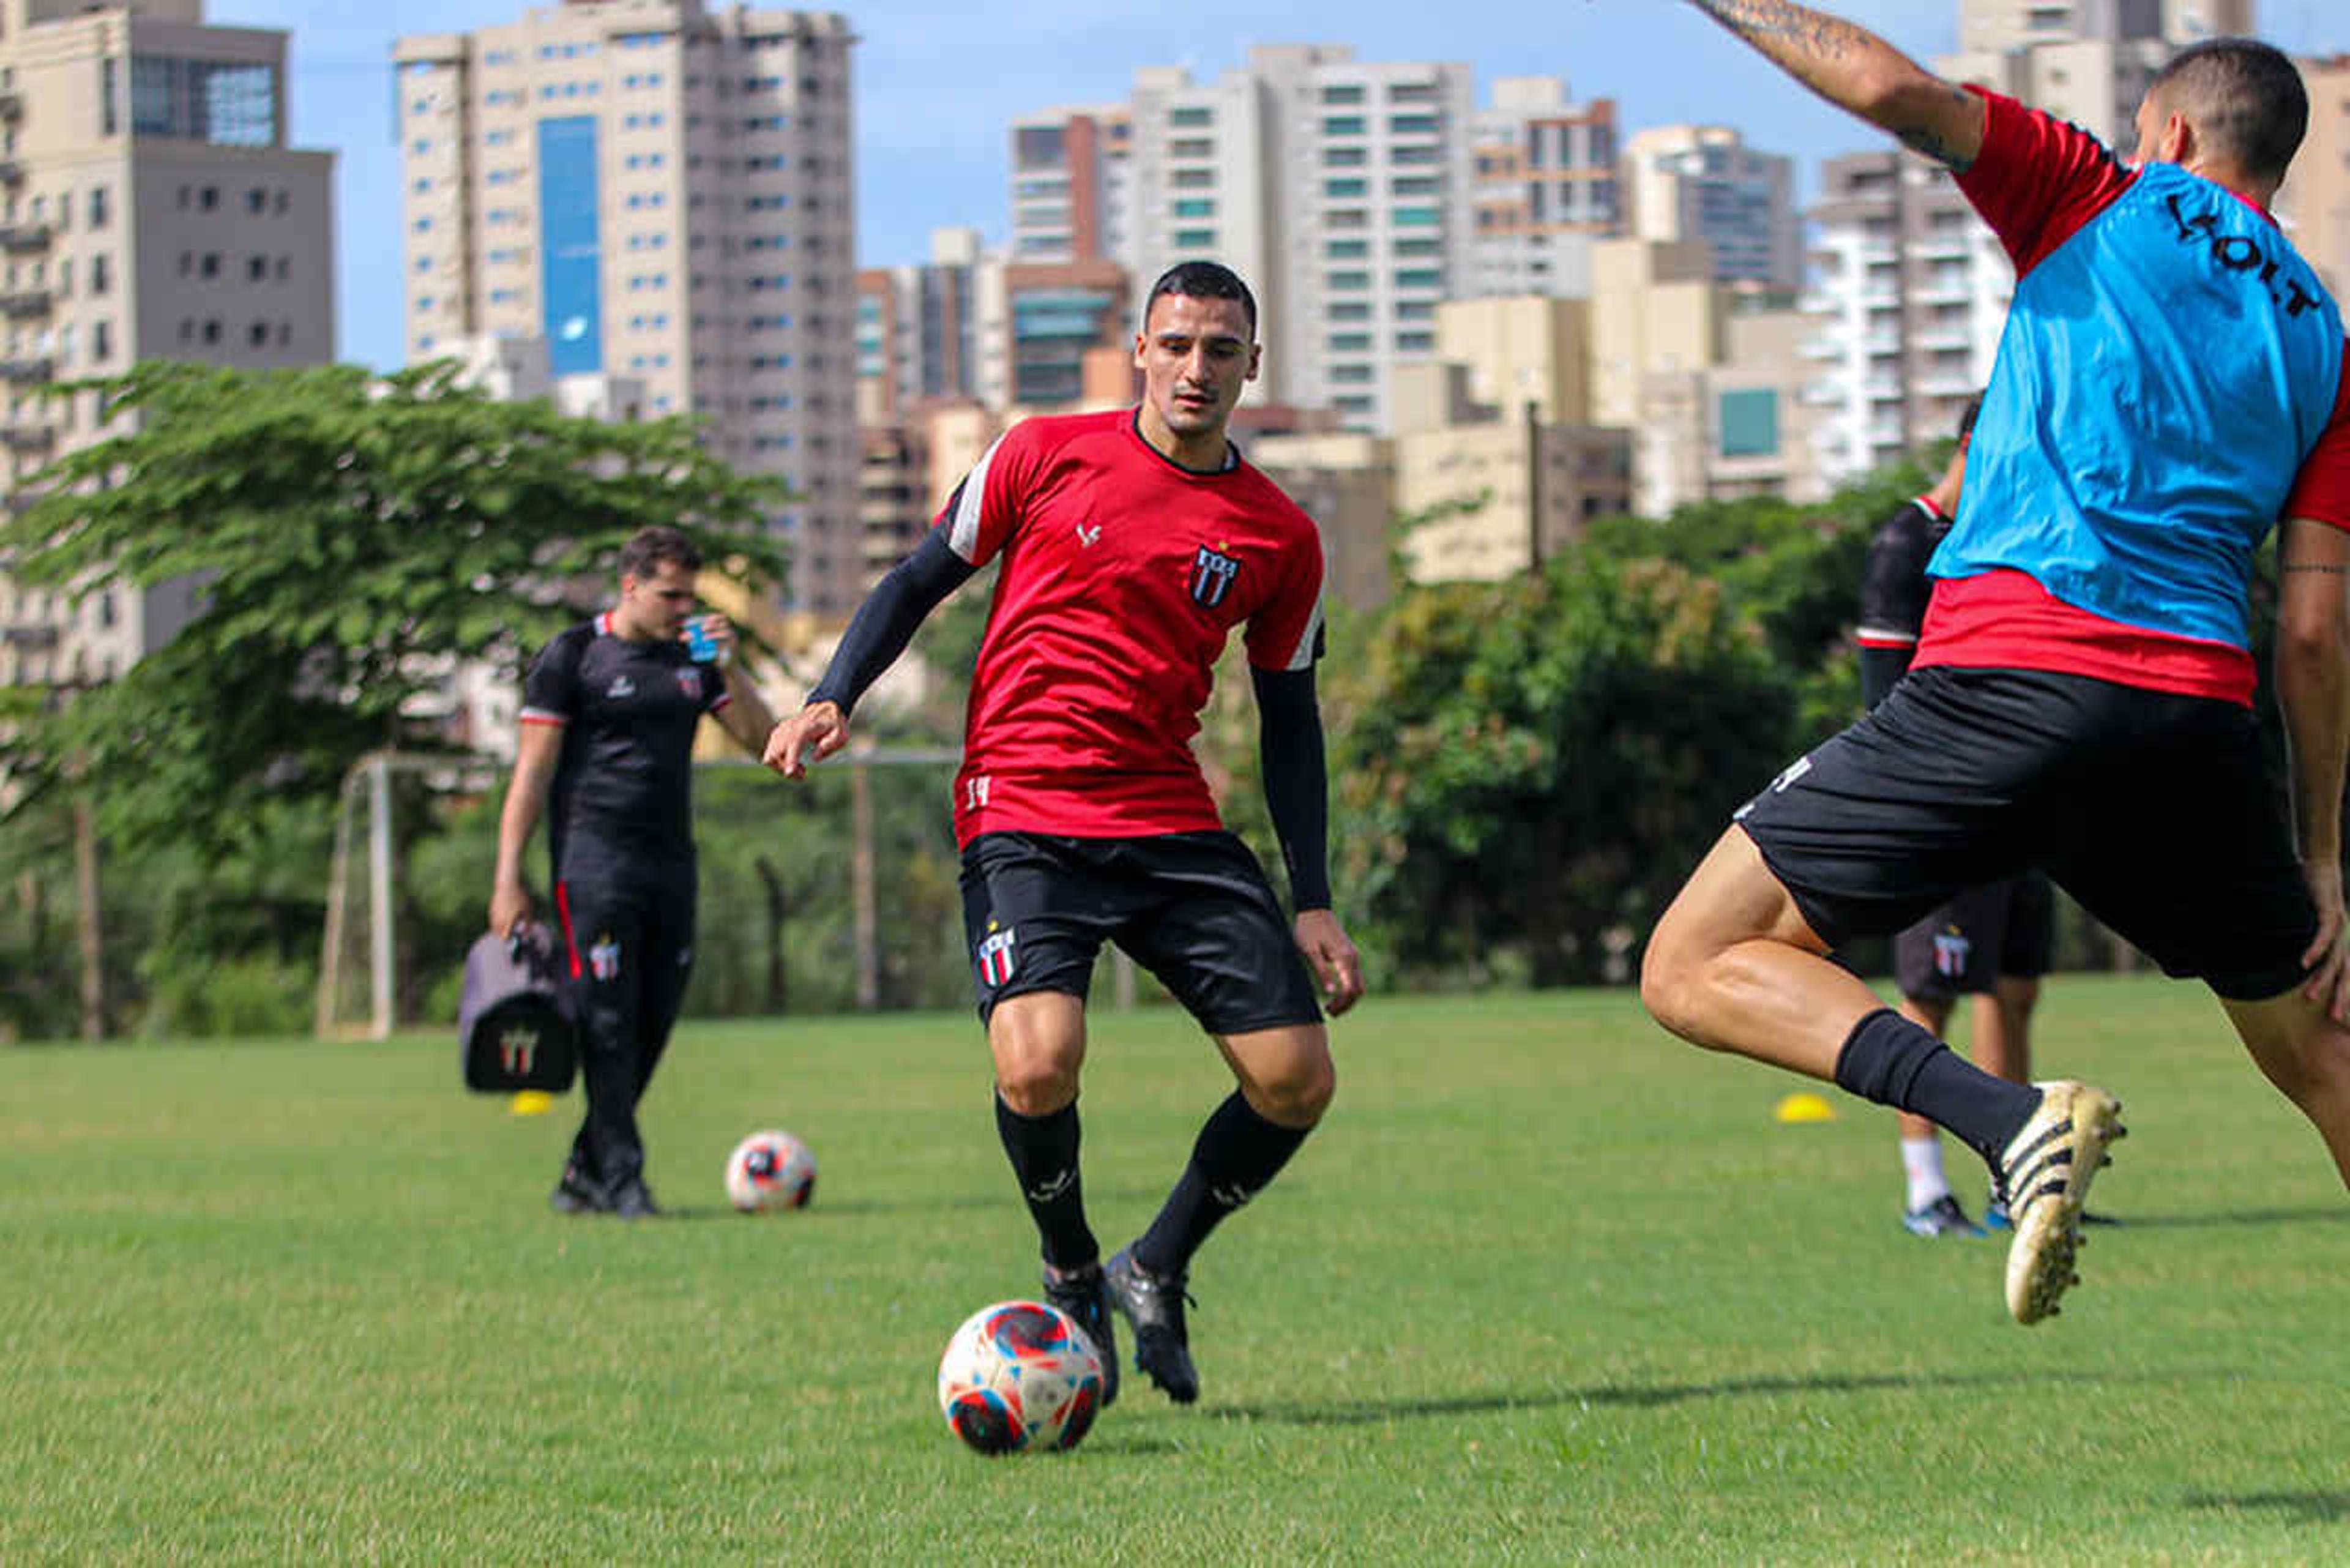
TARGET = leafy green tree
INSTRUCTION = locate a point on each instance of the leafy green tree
(1524, 770)
(352, 536)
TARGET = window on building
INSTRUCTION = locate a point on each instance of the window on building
(1341, 189)
(100, 274)
(209, 266)
(211, 332)
(97, 206)
(101, 342)
(1412, 124)
(1347, 282)
(1197, 207)
(1345, 250)
(1342, 125)
(1195, 239)
(1344, 157)
(1191, 116)
(1749, 423)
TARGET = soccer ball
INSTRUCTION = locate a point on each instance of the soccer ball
(1020, 1377)
(769, 1170)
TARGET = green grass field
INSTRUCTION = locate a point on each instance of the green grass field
(1547, 1286)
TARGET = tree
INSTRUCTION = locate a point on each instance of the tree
(351, 538)
(1523, 771)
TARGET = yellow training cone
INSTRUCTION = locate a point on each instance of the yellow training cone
(535, 1103)
(1804, 1108)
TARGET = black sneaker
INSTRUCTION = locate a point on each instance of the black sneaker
(1153, 1305)
(1084, 1295)
(635, 1200)
(574, 1195)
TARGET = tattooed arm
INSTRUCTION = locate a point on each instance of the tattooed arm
(1856, 70)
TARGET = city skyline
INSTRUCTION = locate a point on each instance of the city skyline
(935, 92)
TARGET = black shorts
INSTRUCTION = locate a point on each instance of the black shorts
(2004, 930)
(1194, 908)
(2155, 811)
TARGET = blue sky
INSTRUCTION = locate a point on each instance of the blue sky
(937, 83)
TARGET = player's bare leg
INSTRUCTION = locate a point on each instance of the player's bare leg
(1285, 1081)
(1038, 1041)
(1734, 966)
(2306, 1054)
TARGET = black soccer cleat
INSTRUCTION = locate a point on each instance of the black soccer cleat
(575, 1195)
(1154, 1306)
(634, 1200)
(1084, 1295)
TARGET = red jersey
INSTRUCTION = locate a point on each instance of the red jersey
(1123, 576)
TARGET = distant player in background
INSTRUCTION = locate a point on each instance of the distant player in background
(1991, 942)
(607, 721)
(1133, 543)
(2169, 385)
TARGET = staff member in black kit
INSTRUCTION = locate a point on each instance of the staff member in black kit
(607, 721)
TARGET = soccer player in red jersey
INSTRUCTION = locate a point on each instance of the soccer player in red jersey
(1132, 542)
(2169, 385)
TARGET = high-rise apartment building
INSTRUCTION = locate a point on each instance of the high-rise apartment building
(150, 208)
(919, 329)
(662, 190)
(2315, 204)
(1703, 183)
(1071, 198)
(1547, 188)
(1910, 294)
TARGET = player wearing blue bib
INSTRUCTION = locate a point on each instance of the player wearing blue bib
(2169, 385)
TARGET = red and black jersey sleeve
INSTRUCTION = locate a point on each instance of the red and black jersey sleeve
(550, 693)
(985, 509)
(2321, 492)
(1285, 633)
(2037, 179)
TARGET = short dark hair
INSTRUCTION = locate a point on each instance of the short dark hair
(1967, 417)
(1201, 280)
(648, 547)
(2241, 96)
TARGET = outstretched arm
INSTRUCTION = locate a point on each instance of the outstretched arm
(1854, 69)
(877, 634)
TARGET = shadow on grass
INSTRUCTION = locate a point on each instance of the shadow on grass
(1640, 1396)
(2295, 1506)
(2330, 1214)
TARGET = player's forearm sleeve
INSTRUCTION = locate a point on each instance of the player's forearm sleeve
(886, 621)
(1296, 780)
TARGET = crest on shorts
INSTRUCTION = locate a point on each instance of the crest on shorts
(996, 959)
(1950, 953)
(1213, 572)
(604, 957)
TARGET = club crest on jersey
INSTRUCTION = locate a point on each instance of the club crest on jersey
(604, 957)
(1950, 953)
(688, 680)
(996, 960)
(1212, 575)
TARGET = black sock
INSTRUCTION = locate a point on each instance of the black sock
(1043, 1151)
(1892, 1061)
(1237, 1153)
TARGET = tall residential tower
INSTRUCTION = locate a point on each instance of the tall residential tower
(662, 190)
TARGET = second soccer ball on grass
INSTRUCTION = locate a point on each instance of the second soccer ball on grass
(769, 1170)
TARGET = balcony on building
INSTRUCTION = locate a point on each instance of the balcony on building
(27, 370)
(18, 238)
(24, 302)
(28, 438)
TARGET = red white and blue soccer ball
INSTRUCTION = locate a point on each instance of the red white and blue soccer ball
(1020, 1378)
(769, 1170)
